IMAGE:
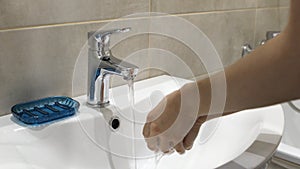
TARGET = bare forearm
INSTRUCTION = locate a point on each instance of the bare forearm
(269, 75)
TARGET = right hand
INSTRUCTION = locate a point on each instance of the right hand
(173, 122)
(189, 139)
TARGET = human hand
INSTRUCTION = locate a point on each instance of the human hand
(189, 139)
(173, 123)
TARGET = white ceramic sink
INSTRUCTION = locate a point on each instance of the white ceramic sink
(289, 148)
(87, 140)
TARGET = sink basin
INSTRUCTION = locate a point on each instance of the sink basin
(104, 138)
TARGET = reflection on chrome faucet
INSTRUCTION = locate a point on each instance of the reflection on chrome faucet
(102, 64)
(246, 48)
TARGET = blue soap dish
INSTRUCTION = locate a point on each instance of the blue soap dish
(45, 110)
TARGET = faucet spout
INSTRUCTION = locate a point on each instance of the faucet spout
(115, 66)
(101, 65)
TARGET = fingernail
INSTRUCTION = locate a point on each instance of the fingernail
(190, 147)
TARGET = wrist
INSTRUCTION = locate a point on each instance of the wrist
(204, 89)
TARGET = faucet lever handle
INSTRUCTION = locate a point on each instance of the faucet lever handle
(271, 34)
(105, 34)
(103, 39)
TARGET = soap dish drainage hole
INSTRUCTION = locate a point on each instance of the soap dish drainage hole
(114, 123)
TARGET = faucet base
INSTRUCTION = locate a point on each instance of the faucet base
(97, 105)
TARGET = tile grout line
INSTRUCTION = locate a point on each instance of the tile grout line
(255, 24)
(121, 19)
(278, 15)
(149, 41)
(66, 24)
(223, 11)
(150, 6)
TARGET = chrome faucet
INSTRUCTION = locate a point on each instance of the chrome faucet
(102, 64)
(246, 48)
(269, 35)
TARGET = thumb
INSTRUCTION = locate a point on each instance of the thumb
(189, 139)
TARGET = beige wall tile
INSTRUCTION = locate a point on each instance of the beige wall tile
(232, 31)
(266, 20)
(174, 58)
(272, 3)
(267, 3)
(270, 19)
(179, 6)
(285, 3)
(16, 13)
(283, 17)
(228, 31)
(36, 63)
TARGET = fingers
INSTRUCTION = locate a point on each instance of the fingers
(157, 142)
(150, 118)
(189, 139)
(146, 130)
(171, 151)
(157, 111)
(168, 147)
(153, 140)
(179, 148)
(164, 147)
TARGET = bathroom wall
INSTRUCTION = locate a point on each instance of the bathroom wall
(41, 40)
